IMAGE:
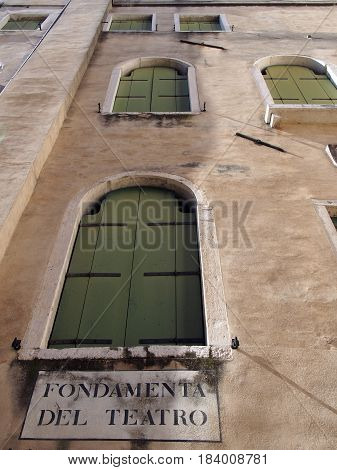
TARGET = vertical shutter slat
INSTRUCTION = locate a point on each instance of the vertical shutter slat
(105, 310)
(152, 312)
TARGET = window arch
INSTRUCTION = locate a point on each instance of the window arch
(297, 89)
(158, 85)
(134, 274)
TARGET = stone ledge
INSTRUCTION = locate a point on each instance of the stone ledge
(30, 121)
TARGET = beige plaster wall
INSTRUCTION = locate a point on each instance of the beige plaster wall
(279, 390)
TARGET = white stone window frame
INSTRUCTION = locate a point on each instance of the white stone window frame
(224, 25)
(295, 113)
(326, 208)
(17, 14)
(217, 335)
(125, 68)
(122, 16)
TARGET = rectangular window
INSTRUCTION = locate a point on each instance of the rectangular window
(204, 24)
(200, 25)
(132, 25)
(24, 24)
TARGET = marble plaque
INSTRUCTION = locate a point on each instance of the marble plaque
(168, 405)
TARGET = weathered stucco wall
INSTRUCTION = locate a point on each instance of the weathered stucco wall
(279, 390)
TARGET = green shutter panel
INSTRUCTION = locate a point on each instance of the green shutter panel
(163, 93)
(105, 310)
(193, 26)
(205, 26)
(123, 93)
(272, 87)
(306, 81)
(136, 25)
(190, 329)
(155, 89)
(124, 89)
(140, 92)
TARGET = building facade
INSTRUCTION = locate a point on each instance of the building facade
(224, 107)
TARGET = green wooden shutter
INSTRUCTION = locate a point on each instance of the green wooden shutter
(310, 88)
(272, 87)
(202, 25)
(190, 328)
(101, 297)
(170, 309)
(140, 90)
(24, 24)
(152, 313)
(134, 275)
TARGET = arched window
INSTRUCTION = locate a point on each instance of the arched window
(296, 84)
(159, 85)
(134, 274)
(153, 89)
